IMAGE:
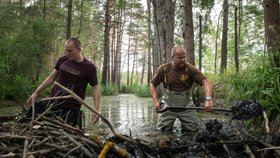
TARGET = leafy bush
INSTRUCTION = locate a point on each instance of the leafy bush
(143, 91)
(126, 89)
(109, 90)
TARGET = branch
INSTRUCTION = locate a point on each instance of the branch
(55, 98)
(81, 101)
(269, 148)
(266, 122)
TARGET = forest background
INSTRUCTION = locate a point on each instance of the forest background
(235, 43)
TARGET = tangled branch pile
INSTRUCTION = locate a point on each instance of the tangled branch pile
(52, 138)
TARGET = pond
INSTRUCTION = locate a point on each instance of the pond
(129, 114)
(132, 115)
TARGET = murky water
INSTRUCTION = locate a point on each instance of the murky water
(133, 116)
(128, 114)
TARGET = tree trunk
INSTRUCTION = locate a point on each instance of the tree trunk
(81, 18)
(149, 76)
(169, 28)
(272, 30)
(224, 38)
(133, 62)
(113, 53)
(69, 20)
(156, 48)
(216, 41)
(236, 43)
(106, 43)
(120, 26)
(188, 32)
(159, 29)
(44, 10)
(200, 43)
(240, 16)
(119, 45)
(128, 59)
(143, 66)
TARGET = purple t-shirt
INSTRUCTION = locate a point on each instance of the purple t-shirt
(74, 76)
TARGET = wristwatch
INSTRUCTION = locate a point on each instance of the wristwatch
(208, 98)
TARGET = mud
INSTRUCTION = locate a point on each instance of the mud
(245, 109)
(214, 141)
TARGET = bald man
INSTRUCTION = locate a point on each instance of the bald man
(178, 77)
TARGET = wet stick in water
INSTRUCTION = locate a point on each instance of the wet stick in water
(97, 113)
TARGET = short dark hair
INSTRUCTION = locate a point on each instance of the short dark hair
(76, 42)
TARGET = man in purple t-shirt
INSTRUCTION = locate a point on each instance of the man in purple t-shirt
(74, 72)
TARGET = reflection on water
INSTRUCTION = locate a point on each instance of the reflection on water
(126, 112)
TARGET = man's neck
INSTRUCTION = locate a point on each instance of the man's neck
(79, 58)
(176, 68)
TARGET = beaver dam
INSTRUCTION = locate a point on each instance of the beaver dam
(51, 137)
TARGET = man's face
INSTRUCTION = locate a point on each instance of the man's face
(71, 51)
(179, 59)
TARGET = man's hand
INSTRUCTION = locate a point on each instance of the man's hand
(209, 105)
(94, 118)
(31, 100)
(157, 107)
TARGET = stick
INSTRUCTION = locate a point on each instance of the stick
(84, 150)
(81, 101)
(55, 98)
(269, 148)
(66, 126)
(25, 150)
(266, 122)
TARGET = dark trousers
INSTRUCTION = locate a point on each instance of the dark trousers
(70, 116)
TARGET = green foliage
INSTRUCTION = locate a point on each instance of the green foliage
(139, 90)
(143, 91)
(205, 4)
(24, 46)
(127, 89)
(260, 82)
(109, 90)
(15, 89)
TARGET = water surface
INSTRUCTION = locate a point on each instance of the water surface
(128, 114)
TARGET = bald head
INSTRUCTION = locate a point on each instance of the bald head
(177, 49)
(178, 55)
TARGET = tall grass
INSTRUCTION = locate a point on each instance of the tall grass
(260, 81)
(139, 90)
